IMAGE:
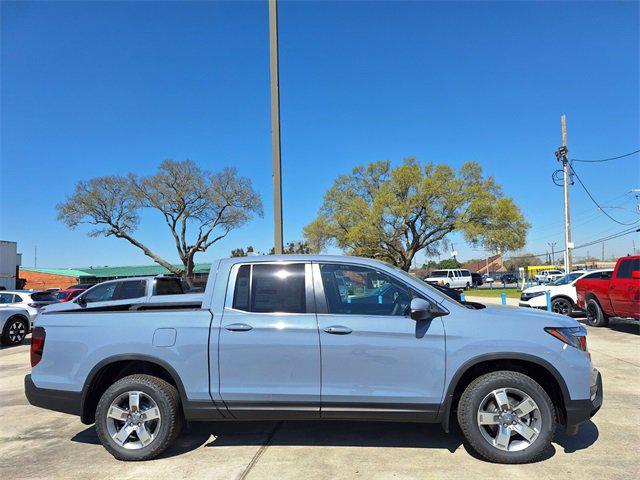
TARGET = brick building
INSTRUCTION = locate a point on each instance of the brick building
(490, 265)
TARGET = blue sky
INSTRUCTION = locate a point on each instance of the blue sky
(91, 89)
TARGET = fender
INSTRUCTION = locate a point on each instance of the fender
(118, 358)
(445, 409)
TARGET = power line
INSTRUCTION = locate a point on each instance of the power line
(596, 202)
(605, 159)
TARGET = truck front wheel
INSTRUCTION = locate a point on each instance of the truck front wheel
(595, 316)
(138, 417)
(507, 417)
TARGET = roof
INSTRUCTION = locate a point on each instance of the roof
(65, 272)
(481, 264)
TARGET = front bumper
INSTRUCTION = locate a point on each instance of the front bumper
(579, 411)
(58, 400)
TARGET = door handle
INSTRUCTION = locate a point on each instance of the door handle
(239, 327)
(338, 330)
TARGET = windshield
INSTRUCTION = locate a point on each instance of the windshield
(438, 273)
(567, 279)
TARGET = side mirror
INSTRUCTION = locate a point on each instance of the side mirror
(81, 301)
(635, 274)
(424, 310)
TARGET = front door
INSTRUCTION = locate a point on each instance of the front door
(269, 351)
(624, 290)
(376, 361)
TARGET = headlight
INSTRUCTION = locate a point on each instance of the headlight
(528, 296)
(574, 336)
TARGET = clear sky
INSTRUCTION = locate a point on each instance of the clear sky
(91, 89)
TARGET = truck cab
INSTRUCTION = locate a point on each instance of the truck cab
(612, 295)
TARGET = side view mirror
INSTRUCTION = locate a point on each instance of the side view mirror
(424, 310)
(81, 301)
(635, 274)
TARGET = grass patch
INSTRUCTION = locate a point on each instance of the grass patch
(495, 293)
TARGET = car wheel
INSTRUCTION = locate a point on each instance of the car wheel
(562, 306)
(138, 417)
(595, 316)
(507, 417)
(14, 331)
(448, 285)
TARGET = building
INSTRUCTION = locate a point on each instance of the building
(10, 261)
(43, 278)
(490, 265)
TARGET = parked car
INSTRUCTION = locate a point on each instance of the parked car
(476, 279)
(487, 277)
(266, 327)
(546, 276)
(611, 295)
(30, 300)
(562, 292)
(14, 325)
(452, 278)
(66, 295)
(509, 278)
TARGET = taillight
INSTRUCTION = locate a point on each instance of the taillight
(37, 345)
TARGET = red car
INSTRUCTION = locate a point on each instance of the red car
(612, 295)
(66, 295)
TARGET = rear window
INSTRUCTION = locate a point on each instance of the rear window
(168, 286)
(61, 295)
(270, 288)
(598, 276)
(131, 289)
(43, 297)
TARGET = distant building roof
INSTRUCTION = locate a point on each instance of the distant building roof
(480, 266)
(114, 272)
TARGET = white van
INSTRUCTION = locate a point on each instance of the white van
(454, 278)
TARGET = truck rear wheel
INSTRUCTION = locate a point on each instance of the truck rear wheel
(595, 316)
(14, 331)
(138, 417)
(507, 417)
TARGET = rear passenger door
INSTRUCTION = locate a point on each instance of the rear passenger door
(269, 350)
(623, 289)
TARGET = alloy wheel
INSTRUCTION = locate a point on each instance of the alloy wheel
(17, 331)
(561, 306)
(133, 420)
(509, 419)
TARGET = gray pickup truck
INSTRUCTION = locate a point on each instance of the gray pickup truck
(309, 337)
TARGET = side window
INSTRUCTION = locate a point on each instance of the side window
(354, 290)
(598, 276)
(270, 288)
(17, 299)
(131, 289)
(168, 286)
(6, 298)
(627, 266)
(101, 293)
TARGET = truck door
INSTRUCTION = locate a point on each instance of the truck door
(269, 350)
(623, 289)
(377, 362)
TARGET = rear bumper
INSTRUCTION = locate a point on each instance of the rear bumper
(58, 400)
(579, 411)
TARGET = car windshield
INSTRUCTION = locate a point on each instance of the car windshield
(438, 273)
(567, 279)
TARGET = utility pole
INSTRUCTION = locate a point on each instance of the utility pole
(275, 126)
(553, 252)
(561, 156)
(603, 251)
(35, 257)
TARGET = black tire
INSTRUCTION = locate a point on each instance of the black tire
(479, 389)
(595, 316)
(14, 331)
(167, 399)
(447, 285)
(562, 305)
(467, 286)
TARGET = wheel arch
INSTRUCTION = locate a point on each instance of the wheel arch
(111, 369)
(565, 297)
(537, 368)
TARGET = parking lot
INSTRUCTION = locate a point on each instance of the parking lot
(37, 443)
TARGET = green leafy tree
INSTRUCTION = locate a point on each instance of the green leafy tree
(523, 260)
(199, 207)
(393, 213)
(240, 252)
(293, 247)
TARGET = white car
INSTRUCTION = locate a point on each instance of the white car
(452, 278)
(30, 300)
(14, 325)
(564, 298)
(547, 276)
